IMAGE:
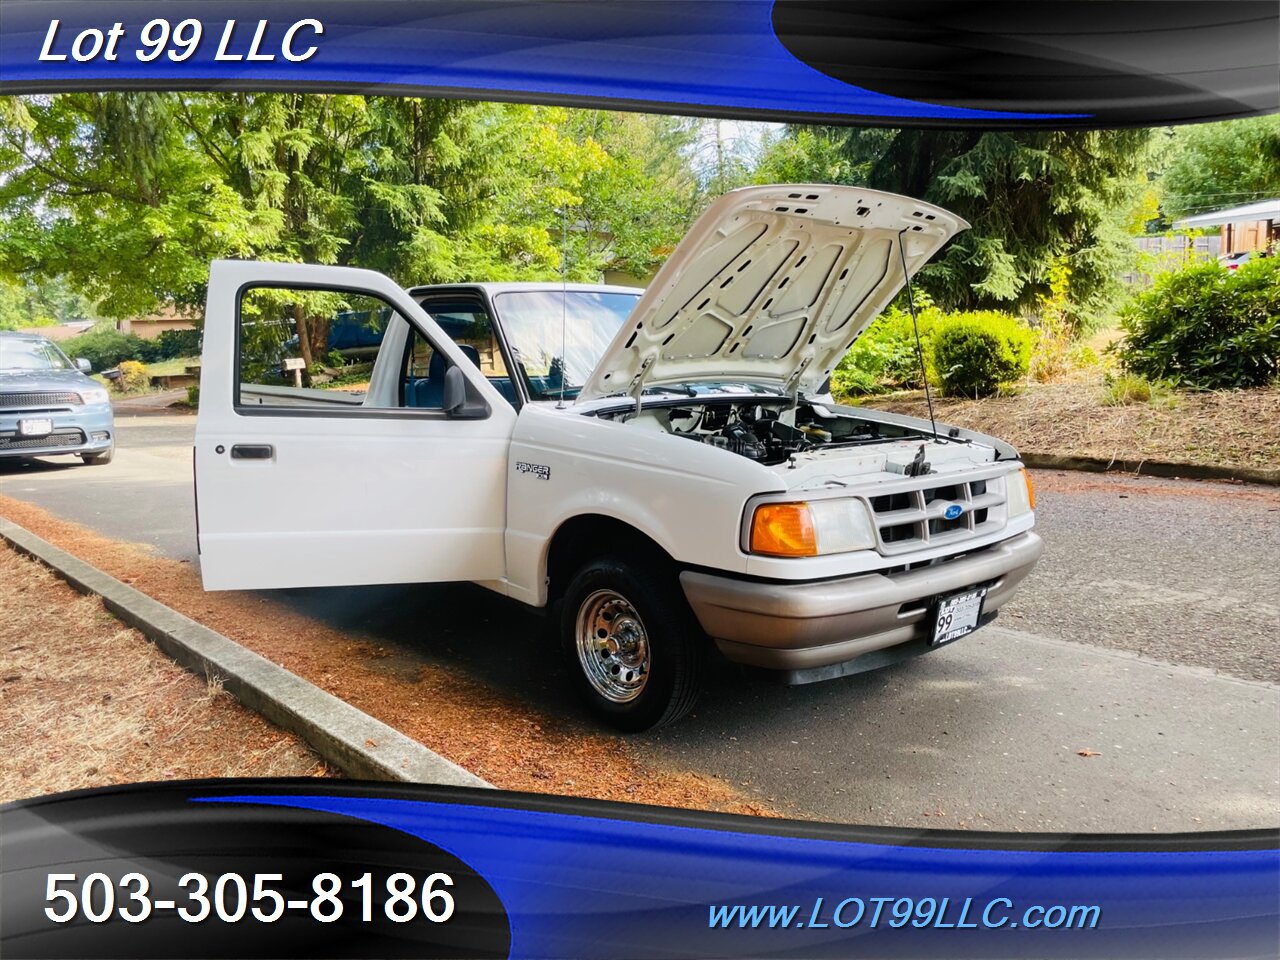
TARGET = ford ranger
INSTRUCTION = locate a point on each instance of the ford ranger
(660, 469)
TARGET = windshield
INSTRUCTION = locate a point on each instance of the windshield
(555, 354)
(23, 353)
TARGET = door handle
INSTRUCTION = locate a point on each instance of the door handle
(252, 451)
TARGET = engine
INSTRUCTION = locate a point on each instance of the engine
(764, 432)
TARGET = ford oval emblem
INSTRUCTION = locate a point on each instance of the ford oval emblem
(953, 511)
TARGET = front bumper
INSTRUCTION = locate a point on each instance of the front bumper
(73, 432)
(825, 628)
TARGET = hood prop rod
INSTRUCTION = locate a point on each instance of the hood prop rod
(915, 326)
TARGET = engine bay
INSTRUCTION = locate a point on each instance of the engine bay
(767, 432)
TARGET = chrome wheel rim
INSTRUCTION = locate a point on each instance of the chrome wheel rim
(613, 646)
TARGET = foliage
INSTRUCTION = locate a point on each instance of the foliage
(27, 303)
(885, 357)
(975, 354)
(1210, 166)
(177, 343)
(1054, 333)
(1127, 389)
(193, 395)
(1033, 198)
(807, 155)
(1206, 327)
(105, 347)
(108, 191)
(128, 196)
(638, 196)
(133, 376)
(1082, 356)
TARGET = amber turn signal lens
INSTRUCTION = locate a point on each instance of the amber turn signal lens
(783, 530)
(1031, 489)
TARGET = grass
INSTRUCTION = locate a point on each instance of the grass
(86, 702)
(1092, 408)
(434, 699)
(1126, 389)
(161, 368)
(171, 368)
(1228, 428)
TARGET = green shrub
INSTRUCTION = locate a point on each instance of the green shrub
(1206, 327)
(1127, 389)
(105, 347)
(193, 395)
(884, 357)
(133, 376)
(178, 343)
(975, 354)
(1083, 357)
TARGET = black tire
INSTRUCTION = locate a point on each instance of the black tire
(676, 647)
(98, 459)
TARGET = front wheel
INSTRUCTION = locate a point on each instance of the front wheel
(635, 652)
(97, 459)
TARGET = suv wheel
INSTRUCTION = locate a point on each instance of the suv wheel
(97, 459)
(635, 652)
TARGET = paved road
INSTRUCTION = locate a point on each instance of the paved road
(985, 734)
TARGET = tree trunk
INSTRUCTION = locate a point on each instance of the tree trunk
(313, 339)
(303, 325)
(319, 329)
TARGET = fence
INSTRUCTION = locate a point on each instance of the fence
(1160, 254)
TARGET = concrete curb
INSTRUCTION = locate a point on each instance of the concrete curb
(351, 740)
(1151, 468)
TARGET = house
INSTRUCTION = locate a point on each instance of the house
(152, 325)
(1253, 226)
(65, 331)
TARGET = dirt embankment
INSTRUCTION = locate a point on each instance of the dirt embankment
(1224, 428)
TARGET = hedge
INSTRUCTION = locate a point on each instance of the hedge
(1207, 327)
(105, 347)
(975, 354)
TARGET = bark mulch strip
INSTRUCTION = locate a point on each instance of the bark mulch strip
(1223, 428)
(494, 736)
(87, 702)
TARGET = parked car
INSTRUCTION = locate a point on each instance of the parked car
(658, 469)
(1234, 261)
(48, 406)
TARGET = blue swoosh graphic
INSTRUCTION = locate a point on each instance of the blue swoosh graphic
(720, 54)
(577, 885)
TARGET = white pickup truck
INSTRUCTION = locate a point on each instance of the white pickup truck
(659, 469)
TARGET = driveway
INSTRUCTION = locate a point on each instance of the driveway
(1132, 684)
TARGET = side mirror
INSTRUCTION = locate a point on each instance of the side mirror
(83, 365)
(459, 400)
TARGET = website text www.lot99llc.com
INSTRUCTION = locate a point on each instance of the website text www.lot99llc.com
(897, 912)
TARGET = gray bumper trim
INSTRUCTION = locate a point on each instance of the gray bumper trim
(799, 626)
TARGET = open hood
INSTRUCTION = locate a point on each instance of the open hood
(771, 285)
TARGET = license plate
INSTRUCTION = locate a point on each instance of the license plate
(957, 616)
(35, 428)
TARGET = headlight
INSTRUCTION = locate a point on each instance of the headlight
(95, 395)
(813, 528)
(1021, 495)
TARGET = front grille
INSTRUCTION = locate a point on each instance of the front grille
(34, 401)
(59, 438)
(913, 515)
